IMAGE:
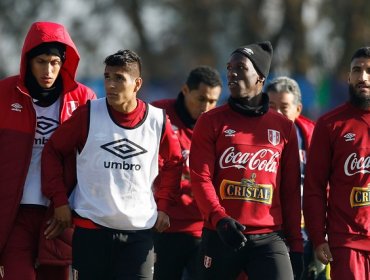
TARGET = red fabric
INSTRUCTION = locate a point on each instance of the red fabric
(229, 148)
(185, 215)
(18, 256)
(339, 156)
(18, 120)
(307, 126)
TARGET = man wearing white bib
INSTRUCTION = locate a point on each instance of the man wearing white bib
(118, 140)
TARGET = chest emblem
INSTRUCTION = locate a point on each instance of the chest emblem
(273, 136)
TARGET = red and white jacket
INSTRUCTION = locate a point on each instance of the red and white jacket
(18, 121)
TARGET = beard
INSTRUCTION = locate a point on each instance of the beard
(357, 99)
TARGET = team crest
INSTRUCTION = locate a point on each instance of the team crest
(71, 106)
(207, 262)
(273, 136)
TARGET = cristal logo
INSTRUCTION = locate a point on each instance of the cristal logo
(355, 164)
(264, 159)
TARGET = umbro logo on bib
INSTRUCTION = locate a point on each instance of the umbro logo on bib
(124, 148)
(46, 125)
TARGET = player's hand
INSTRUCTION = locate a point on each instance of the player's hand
(230, 232)
(61, 220)
(163, 222)
(323, 253)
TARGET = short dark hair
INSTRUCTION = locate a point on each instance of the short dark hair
(203, 74)
(361, 52)
(124, 58)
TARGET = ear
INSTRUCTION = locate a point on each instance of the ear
(138, 83)
(185, 89)
(299, 109)
(261, 79)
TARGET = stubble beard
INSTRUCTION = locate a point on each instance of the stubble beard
(357, 99)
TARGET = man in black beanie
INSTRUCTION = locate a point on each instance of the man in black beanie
(33, 104)
(245, 176)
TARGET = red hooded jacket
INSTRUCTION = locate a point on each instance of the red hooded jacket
(18, 123)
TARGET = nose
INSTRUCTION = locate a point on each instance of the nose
(364, 76)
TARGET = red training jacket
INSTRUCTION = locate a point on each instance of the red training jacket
(339, 157)
(248, 168)
(185, 215)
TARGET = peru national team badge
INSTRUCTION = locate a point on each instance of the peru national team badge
(273, 136)
(2, 271)
(71, 106)
(207, 262)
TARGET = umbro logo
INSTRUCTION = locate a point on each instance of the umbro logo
(248, 51)
(16, 107)
(349, 137)
(229, 132)
(45, 125)
(123, 148)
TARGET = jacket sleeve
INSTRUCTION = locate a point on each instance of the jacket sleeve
(202, 162)
(58, 157)
(290, 192)
(315, 184)
(171, 161)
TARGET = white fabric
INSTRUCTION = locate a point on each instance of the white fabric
(114, 186)
(47, 120)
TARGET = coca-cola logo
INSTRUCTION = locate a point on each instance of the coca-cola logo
(264, 159)
(355, 164)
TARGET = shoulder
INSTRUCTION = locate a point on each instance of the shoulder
(164, 103)
(303, 121)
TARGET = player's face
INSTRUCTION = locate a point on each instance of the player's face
(121, 87)
(283, 102)
(359, 77)
(200, 100)
(45, 68)
(243, 79)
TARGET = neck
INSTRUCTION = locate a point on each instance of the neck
(126, 107)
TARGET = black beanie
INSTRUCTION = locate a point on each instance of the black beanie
(260, 54)
(49, 48)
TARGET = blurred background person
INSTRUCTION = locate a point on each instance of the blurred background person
(177, 247)
(285, 97)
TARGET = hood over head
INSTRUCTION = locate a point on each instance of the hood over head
(45, 32)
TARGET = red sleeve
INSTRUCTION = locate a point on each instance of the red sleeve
(290, 192)
(171, 168)
(202, 162)
(62, 146)
(315, 184)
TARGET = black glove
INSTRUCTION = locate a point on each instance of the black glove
(230, 233)
(296, 259)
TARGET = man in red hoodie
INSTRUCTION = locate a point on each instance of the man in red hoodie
(338, 217)
(32, 105)
(199, 94)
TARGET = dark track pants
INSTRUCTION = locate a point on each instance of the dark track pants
(264, 257)
(175, 253)
(106, 254)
